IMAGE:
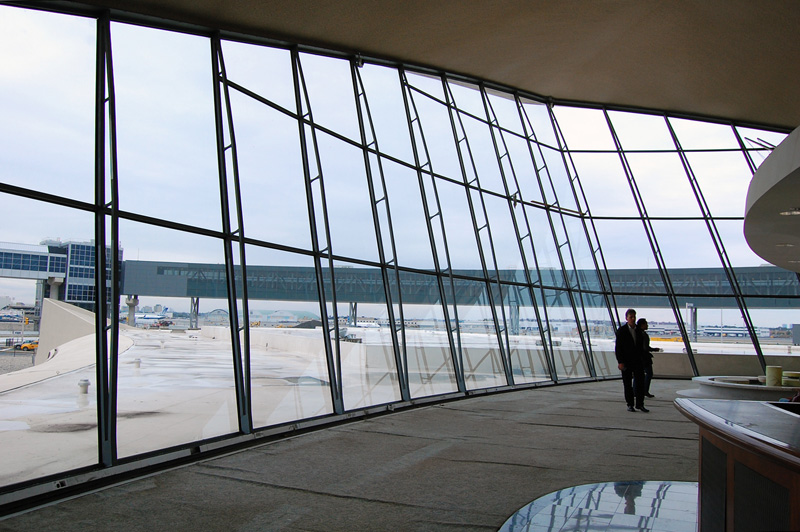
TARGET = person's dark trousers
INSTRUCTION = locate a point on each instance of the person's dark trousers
(648, 377)
(633, 386)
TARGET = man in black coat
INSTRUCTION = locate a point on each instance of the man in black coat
(628, 349)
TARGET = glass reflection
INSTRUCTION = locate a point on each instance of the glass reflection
(366, 350)
(175, 363)
(570, 362)
(48, 421)
(289, 378)
(481, 352)
(429, 357)
(525, 344)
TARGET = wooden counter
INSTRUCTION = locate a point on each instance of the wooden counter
(749, 474)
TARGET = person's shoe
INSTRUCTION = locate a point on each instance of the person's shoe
(631, 409)
(650, 395)
(643, 409)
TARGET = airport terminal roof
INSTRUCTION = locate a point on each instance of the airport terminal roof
(733, 59)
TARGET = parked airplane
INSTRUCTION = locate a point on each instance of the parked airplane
(143, 318)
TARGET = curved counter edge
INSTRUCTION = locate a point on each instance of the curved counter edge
(755, 425)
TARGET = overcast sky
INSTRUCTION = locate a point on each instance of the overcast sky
(168, 167)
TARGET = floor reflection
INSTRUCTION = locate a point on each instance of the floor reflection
(612, 506)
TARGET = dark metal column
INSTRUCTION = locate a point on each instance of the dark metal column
(433, 212)
(718, 245)
(309, 147)
(469, 174)
(376, 185)
(589, 231)
(106, 336)
(518, 200)
(240, 350)
(651, 237)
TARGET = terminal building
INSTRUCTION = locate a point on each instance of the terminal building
(468, 197)
(62, 270)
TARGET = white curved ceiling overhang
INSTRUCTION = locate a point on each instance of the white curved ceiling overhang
(732, 59)
(772, 211)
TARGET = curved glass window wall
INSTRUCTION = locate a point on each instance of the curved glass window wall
(293, 236)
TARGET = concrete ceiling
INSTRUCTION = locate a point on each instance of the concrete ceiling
(735, 59)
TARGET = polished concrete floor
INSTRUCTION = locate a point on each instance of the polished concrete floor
(465, 465)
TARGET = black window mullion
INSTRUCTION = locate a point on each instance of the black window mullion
(240, 350)
(106, 355)
(364, 121)
(718, 245)
(423, 169)
(332, 352)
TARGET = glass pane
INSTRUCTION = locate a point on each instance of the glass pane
(467, 98)
(538, 123)
(504, 236)
(165, 126)
(263, 70)
(724, 178)
(438, 137)
(720, 337)
(781, 287)
(641, 132)
(329, 83)
(47, 135)
(557, 181)
(347, 199)
(528, 359)
(431, 85)
(697, 135)
(384, 93)
(602, 334)
(562, 240)
(605, 185)
(624, 244)
(570, 361)
(582, 255)
(759, 143)
(408, 217)
(774, 327)
(175, 361)
(739, 253)
(483, 364)
(288, 367)
(47, 424)
(663, 184)
(584, 129)
(484, 157)
(686, 244)
(550, 271)
(369, 370)
(461, 241)
(271, 174)
(505, 110)
(524, 180)
(429, 358)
